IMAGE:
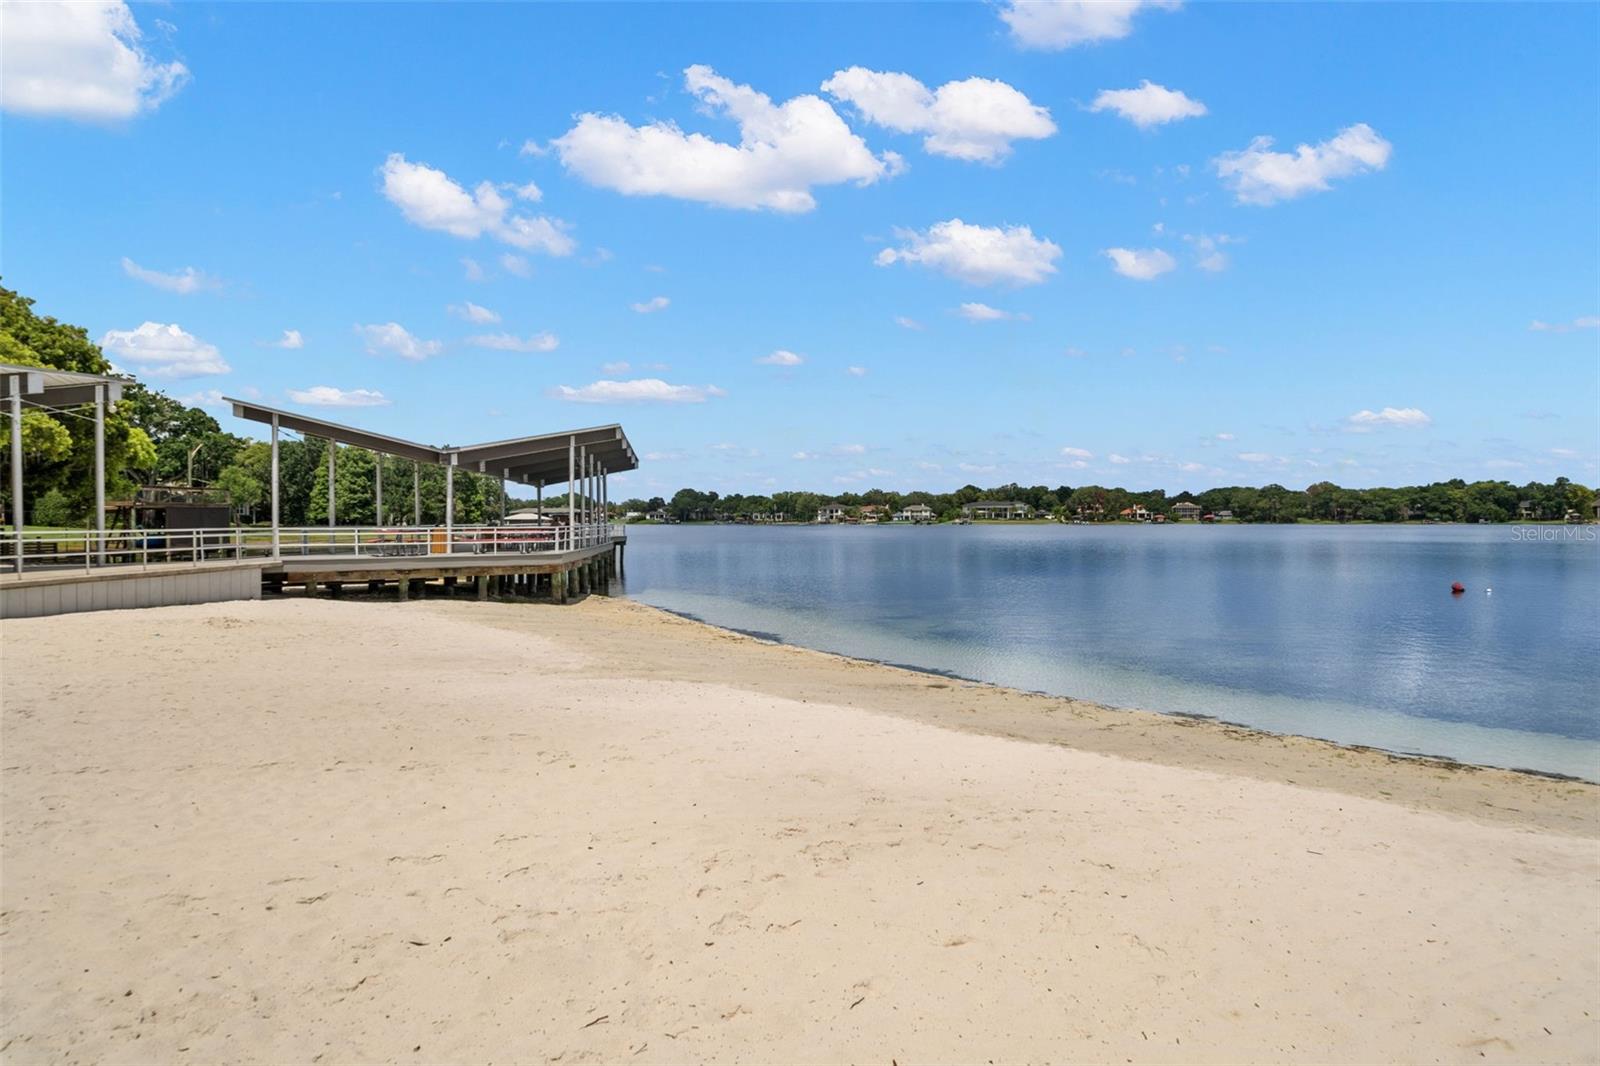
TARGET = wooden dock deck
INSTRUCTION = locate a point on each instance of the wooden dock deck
(559, 576)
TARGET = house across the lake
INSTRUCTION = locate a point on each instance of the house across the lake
(830, 512)
(1185, 511)
(916, 512)
(1137, 513)
(997, 510)
(873, 512)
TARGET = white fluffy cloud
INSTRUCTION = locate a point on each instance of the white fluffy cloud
(291, 340)
(1208, 253)
(1149, 104)
(652, 305)
(183, 282)
(856, 371)
(328, 396)
(1397, 417)
(1258, 175)
(516, 264)
(907, 323)
(80, 60)
(979, 255)
(781, 357)
(783, 151)
(1141, 264)
(429, 198)
(203, 398)
(1583, 322)
(510, 342)
(393, 338)
(976, 119)
(1052, 25)
(976, 312)
(163, 351)
(474, 313)
(639, 390)
(1077, 453)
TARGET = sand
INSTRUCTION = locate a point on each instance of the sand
(450, 831)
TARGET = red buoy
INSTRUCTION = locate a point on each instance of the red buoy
(1457, 589)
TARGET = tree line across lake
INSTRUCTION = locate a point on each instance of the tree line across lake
(1443, 501)
(152, 438)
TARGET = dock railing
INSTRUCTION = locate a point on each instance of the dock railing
(87, 550)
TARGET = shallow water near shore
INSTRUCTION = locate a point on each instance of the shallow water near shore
(1345, 633)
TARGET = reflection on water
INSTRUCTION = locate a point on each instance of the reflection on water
(1348, 633)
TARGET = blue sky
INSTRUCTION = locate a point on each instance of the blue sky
(986, 251)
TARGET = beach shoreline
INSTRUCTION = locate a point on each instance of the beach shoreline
(447, 830)
(1207, 742)
(1419, 757)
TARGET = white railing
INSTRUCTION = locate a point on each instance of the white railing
(62, 549)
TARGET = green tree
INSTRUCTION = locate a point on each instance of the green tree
(54, 511)
(248, 479)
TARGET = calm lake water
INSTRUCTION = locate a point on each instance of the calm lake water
(1347, 633)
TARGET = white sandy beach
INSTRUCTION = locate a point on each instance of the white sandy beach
(450, 831)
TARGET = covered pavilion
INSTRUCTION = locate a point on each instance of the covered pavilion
(583, 458)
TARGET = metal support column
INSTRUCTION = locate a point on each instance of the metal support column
(16, 467)
(450, 504)
(572, 484)
(276, 553)
(377, 493)
(583, 484)
(332, 474)
(504, 475)
(100, 472)
(416, 493)
(538, 490)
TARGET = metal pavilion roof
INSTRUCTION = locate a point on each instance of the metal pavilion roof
(44, 386)
(541, 458)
